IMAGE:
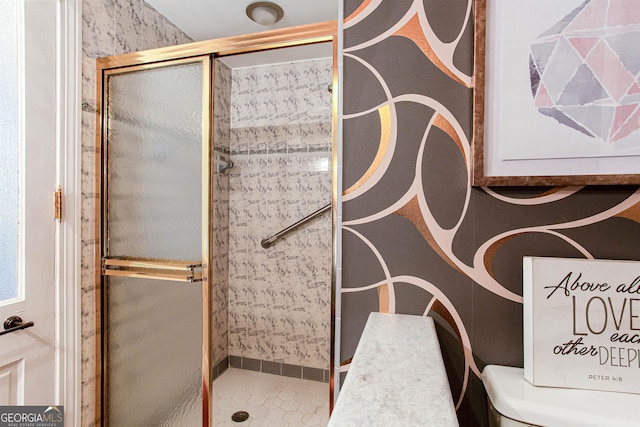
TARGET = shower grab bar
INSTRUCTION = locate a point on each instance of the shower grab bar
(269, 241)
(150, 263)
(152, 269)
(143, 275)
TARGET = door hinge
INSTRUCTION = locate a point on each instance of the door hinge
(58, 204)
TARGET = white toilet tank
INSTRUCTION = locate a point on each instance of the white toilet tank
(515, 402)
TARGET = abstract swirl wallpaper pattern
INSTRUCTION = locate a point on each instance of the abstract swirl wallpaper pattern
(417, 238)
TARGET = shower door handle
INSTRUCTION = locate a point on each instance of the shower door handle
(14, 323)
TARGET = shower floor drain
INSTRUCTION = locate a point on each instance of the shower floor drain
(240, 416)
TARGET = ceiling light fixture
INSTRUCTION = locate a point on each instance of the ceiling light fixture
(265, 12)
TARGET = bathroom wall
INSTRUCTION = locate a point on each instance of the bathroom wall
(109, 27)
(414, 228)
(279, 298)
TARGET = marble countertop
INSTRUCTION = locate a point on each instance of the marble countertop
(397, 377)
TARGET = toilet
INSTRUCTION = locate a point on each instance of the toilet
(515, 402)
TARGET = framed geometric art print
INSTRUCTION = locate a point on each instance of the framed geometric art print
(557, 92)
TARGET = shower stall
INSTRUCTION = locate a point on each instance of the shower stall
(204, 154)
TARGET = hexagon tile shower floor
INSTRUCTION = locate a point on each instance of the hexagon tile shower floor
(270, 400)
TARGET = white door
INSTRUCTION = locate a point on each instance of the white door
(27, 179)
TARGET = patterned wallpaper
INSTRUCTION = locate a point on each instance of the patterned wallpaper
(279, 298)
(417, 238)
(109, 27)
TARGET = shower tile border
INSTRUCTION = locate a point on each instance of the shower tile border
(274, 368)
(223, 150)
(292, 371)
(288, 150)
(271, 367)
(220, 367)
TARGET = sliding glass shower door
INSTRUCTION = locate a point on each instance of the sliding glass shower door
(156, 196)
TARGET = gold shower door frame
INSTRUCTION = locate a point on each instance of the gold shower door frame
(204, 52)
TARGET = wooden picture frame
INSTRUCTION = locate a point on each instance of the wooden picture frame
(502, 109)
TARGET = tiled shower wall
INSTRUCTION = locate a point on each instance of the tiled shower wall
(109, 27)
(279, 298)
(220, 223)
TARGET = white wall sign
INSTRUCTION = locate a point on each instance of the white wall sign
(582, 323)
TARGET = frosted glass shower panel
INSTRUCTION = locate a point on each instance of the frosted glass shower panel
(154, 132)
(155, 348)
(8, 150)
